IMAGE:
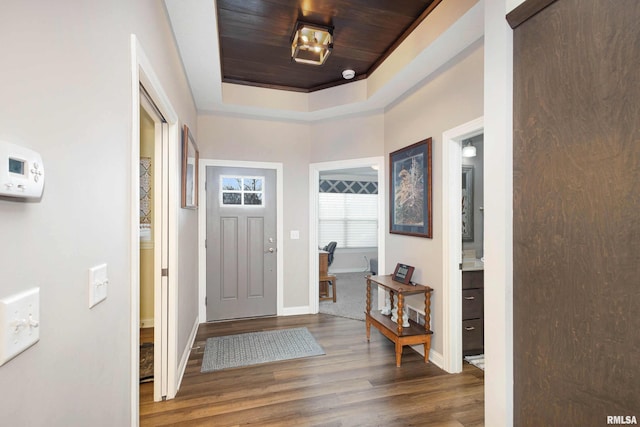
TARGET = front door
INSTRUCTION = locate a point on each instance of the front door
(241, 242)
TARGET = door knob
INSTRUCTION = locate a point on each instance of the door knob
(270, 250)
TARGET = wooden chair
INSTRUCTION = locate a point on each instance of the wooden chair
(325, 283)
(325, 279)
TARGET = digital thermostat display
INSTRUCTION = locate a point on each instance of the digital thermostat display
(16, 166)
(21, 172)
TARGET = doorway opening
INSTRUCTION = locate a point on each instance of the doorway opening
(452, 141)
(154, 212)
(338, 183)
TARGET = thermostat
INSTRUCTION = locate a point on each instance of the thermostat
(21, 172)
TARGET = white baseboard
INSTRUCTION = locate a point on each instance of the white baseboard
(296, 311)
(185, 354)
(434, 357)
(146, 323)
(346, 270)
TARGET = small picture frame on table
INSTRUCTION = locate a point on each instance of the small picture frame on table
(403, 273)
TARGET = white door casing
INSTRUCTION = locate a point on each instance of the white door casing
(142, 73)
(314, 191)
(202, 225)
(452, 241)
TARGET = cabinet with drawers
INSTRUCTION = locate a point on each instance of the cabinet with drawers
(472, 312)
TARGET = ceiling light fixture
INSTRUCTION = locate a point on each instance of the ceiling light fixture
(348, 74)
(311, 43)
(468, 150)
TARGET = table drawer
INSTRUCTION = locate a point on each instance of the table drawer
(472, 337)
(472, 303)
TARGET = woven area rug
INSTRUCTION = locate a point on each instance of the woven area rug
(233, 351)
(351, 301)
(146, 362)
(477, 361)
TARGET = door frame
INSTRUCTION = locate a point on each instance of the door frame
(202, 226)
(452, 241)
(143, 72)
(314, 195)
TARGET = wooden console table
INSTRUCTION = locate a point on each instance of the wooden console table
(401, 336)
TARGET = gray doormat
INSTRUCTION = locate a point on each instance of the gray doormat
(233, 351)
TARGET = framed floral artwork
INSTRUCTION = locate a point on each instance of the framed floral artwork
(411, 190)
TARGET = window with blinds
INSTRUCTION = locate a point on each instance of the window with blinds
(349, 219)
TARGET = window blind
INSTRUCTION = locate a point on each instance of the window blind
(349, 219)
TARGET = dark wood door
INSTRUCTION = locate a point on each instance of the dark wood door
(577, 213)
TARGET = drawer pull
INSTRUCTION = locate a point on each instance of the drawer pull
(469, 298)
(469, 328)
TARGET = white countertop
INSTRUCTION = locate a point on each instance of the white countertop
(472, 264)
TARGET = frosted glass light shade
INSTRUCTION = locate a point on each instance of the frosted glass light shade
(468, 151)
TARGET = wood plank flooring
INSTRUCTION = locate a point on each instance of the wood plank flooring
(355, 384)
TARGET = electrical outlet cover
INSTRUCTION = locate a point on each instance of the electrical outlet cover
(98, 282)
(19, 323)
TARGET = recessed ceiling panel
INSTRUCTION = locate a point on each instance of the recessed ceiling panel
(255, 38)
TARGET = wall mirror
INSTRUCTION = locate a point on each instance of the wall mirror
(467, 203)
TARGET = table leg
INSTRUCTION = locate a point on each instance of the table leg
(427, 311)
(427, 348)
(368, 296)
(398, 354)
(400, 310)
(368, 308)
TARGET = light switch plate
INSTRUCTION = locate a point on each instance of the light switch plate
(98, 283)
(294, 234)
(19, 323)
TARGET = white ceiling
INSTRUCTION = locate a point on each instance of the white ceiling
(450, 29)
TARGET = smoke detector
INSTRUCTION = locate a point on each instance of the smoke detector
(348, 74)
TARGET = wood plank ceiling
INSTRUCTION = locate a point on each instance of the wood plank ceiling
(255, 38)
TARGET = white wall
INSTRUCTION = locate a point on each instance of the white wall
(347, 138)
(66, 92)
(352, 260)
(453, 97)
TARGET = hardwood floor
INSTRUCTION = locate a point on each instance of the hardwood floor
(355, 384)
(146, 335)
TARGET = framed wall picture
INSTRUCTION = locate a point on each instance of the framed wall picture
(190, 157)
(411, 188)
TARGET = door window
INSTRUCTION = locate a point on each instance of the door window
(242, 190)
